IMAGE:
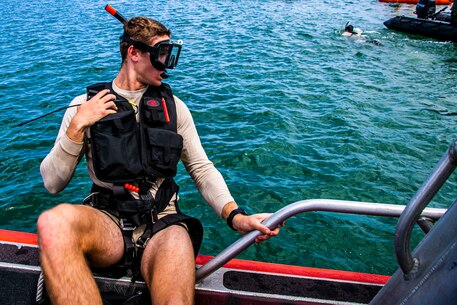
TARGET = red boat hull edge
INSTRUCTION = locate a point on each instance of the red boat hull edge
(237, 282)
(18, 237)
(438, 2)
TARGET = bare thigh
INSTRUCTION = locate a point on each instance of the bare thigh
(168, 264)
(83, 229)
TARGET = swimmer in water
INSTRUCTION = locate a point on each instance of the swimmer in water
(349, 30)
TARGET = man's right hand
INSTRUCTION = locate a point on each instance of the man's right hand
(95, 109)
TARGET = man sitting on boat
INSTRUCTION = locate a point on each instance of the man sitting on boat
(133, 131)
(425, 8)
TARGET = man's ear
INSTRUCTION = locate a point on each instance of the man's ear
(133, 53)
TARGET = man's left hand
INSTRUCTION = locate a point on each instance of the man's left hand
(245, 224)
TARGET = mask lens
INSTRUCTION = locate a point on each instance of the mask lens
(167, 54)
(172, 59)
(163, 54)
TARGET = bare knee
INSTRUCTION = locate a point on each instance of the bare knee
(174, 239)
(57, 226)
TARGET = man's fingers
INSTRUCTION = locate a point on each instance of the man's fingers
(111, 105)
(101, 94)
(109, 98)
(264, 229)
(104, 96)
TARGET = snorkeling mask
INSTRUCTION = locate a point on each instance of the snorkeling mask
(163, 55)
(349, 27)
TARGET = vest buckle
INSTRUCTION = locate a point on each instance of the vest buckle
(90, 199)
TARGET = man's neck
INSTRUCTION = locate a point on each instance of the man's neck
(126, 81)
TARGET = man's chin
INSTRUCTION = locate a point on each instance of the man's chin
(156, 83)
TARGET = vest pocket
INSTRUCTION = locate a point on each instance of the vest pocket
(164, 152)
(115, 152)
(153, 113)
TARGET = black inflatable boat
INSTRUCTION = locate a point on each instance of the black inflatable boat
(438, 29)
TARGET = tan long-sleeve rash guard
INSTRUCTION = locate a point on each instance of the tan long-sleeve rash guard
(58, 167)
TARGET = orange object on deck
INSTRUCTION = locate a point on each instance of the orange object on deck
(438, 2)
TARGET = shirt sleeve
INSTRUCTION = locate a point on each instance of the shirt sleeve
(207, 178)
(58, 167)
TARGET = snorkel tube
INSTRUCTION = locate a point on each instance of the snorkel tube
(114, 12)
(124, 21)
(349, 28)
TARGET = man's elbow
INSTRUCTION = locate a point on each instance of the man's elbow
(49, 183)
(51, 188)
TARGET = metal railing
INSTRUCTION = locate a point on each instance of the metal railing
(446, 165)
(312, 205)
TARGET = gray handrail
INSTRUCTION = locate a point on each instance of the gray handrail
(324, 205)
(423, 196)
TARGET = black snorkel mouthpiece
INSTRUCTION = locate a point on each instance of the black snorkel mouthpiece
(164, 74)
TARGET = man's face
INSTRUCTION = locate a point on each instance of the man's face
(147, 73)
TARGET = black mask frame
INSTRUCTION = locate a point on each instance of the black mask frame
(163, 55)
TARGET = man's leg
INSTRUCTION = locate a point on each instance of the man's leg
(168, 267)
(70, 238)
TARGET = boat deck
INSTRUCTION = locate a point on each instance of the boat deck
(237, 282)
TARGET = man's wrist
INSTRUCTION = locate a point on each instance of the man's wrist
(232, 215)
(76, 130)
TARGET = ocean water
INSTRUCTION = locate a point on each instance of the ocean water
(286, 107)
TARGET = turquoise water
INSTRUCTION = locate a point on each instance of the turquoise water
(286, 107)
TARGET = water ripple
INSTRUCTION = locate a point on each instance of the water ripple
(286, 107)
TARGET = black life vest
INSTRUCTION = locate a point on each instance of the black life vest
(127, 151)
(124, 150)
